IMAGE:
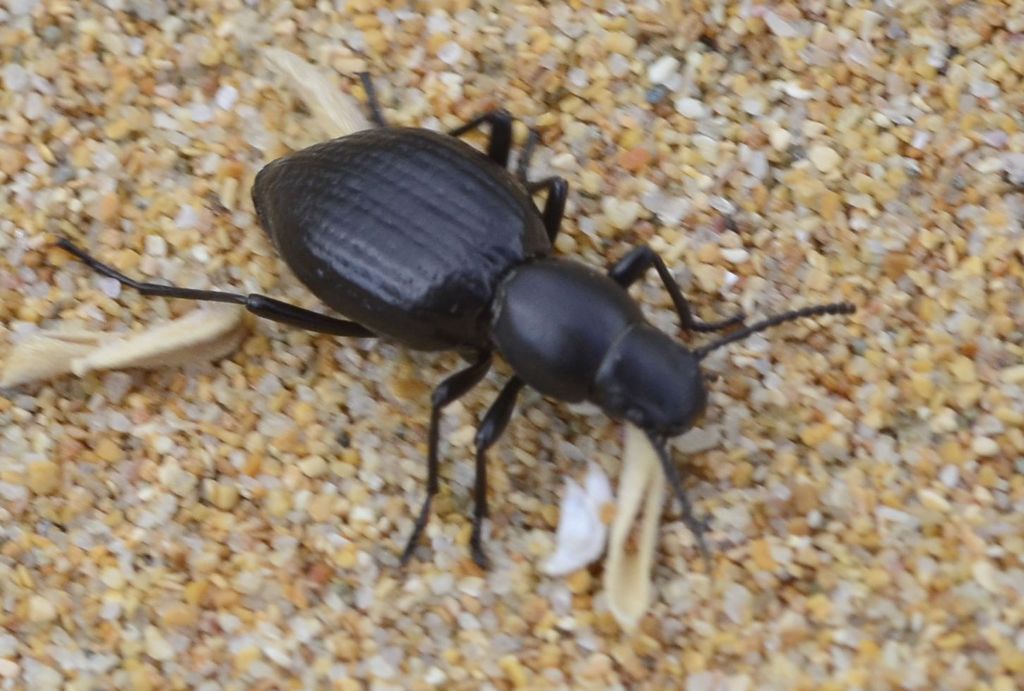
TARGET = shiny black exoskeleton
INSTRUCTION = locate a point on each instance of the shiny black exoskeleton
(419, 237)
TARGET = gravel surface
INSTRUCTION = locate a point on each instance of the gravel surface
(237, 525)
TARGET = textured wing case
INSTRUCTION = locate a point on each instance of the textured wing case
(402, 230)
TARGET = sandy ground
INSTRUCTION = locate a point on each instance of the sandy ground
(237, 524)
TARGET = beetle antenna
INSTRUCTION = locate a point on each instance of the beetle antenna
(697, 526)
(816, 310)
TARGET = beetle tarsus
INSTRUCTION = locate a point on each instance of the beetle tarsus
(452, 388)
(526, 156)
(260, 305)
(697, 526)
(635, 264)
(417, 530)
(476, 548)
(376, 113)
(491, 428)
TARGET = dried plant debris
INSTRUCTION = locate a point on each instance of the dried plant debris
(204, 334)
(634, 535)
(335, 112)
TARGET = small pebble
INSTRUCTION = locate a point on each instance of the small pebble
(824, 158)
(691, 108)
(984, 446)
(41, 610)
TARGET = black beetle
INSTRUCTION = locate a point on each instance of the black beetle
(417, 236)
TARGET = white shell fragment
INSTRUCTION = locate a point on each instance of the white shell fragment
(581, 533)
(627, 574)
(205, 334)
(336, 113)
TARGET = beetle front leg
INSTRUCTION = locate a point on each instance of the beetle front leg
(450, 389)
(491, 428)
(260, 305)
(630, 268)
(500, 144)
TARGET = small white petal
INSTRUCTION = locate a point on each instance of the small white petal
(581, 534)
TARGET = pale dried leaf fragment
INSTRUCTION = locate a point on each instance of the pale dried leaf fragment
(205, 334)
(581, 535)
(627, 573)
(47, 355)
(336, 113)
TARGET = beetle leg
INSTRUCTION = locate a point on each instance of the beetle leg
(449, 390)
(493, 425)
(554, 206)
(500, 143)
(630, 268)
(376, 114)
(526, 155)
(260, 305)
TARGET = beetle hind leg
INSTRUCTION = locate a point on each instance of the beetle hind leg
(491, 428)
(260, 305)
(449, 390)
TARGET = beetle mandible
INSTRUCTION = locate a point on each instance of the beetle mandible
(416, 236)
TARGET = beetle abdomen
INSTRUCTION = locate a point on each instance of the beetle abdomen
(405, 231)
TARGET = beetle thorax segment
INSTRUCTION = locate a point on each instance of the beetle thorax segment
(554, 321)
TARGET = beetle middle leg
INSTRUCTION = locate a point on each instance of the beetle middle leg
(450, 389)
(491, 428)
(554, 206)
(630, 268)
(500, 144)
(260, 305)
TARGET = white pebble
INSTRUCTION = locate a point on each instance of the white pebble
(780, 139)
(949, 476)
(779, 26)
(736, 255)
(578, 78)
(620, 214)
(9, 669)
(201, 112)
(737, 603)
(984, 446)
(157, 646)
(156, 246)
(662, 69)
(201, 254)
(41, 610)
(111, 287)
(794, 90)
(450, 53)
(15, 77)
(226, 97)
(824, 158)
(187, 217)
(18, 8)
(690, 108)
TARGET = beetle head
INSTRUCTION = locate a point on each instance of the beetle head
(651, 381)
